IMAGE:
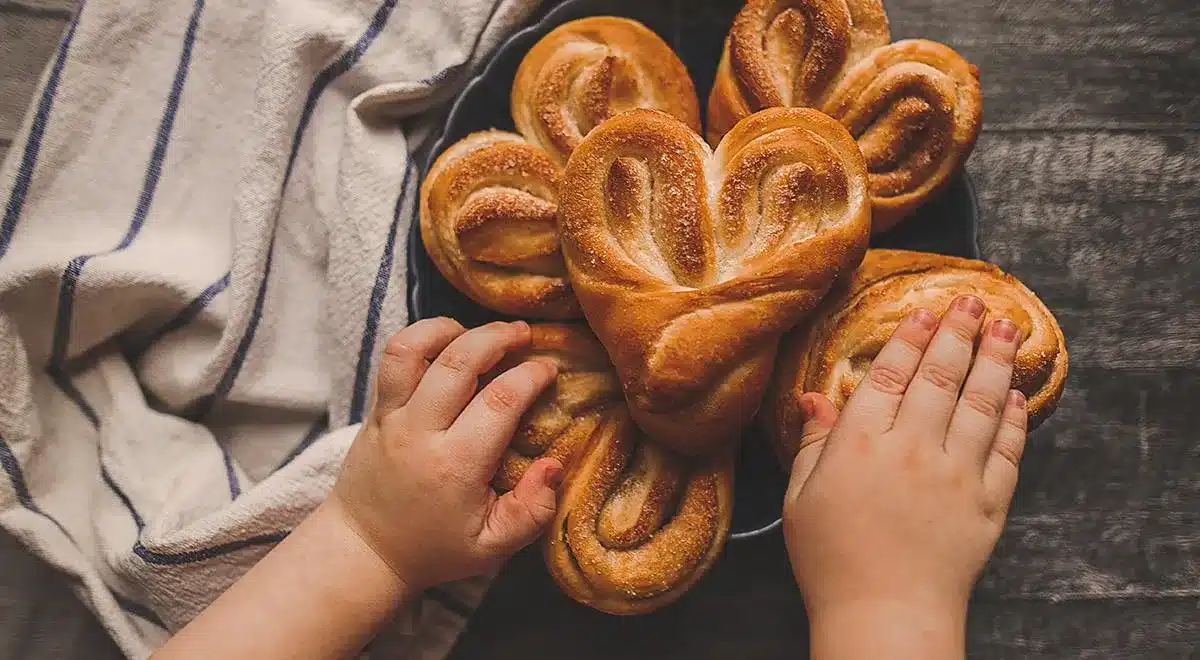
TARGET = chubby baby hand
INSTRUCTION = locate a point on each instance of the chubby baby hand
(416, 483)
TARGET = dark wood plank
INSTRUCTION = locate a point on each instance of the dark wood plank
(1131, 629)
(61, 9)
(1088, 187)
(1070, 63)
(1103, 226)
(40, 619)
(27, 42)
(1107, 509)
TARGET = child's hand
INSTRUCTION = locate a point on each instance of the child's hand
(416, 482)
(895, 505)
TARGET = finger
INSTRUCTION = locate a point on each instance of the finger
(518, 517)
(820, 416)
(484, 429)
(405, 359)
(977, 415)
(451, 381)
(873, 405)
(930, 399)
(1000, 473)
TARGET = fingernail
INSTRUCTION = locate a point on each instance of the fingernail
(554, 477)
(971, 305)
(1016, 399)
(548, 363)
(1004, 330)
(807, 407)
(924, 318)
(520, 326)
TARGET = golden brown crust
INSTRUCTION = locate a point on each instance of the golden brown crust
(832, 352)
(915, 106)
(637, 525)
(489, 203)
(690, 264)
(587, 70)
(916, 109)
(489, 223)
(562, 420)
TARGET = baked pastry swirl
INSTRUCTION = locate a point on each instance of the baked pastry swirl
(637, 525)
(832, 352)
(489, 223)
(489, 203)
(566, 416)
(588, 70)
(690, 264)
(915, 106)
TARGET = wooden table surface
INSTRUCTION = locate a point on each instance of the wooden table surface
(1089, 185)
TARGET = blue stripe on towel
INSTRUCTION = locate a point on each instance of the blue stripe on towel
(106, 476)
(383, 275)
(33, 145)
(448, 601)
(137, 609)
(12, 468)
(136, 348)
(70, 277)
(343, 64)
(319, 427)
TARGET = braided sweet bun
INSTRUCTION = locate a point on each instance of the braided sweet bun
(590, 69)
(564, 418)
(690, 264)
(833, 351)
(915, 106)
(489, 208)
(489, 203)
(637, 525)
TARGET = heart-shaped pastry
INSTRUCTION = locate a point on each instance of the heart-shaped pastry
(637, 525)
(489, 202)
(590, 69)
(914, 106)
(690, 264)
(832, 351)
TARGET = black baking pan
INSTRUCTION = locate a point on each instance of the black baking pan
(696, 30)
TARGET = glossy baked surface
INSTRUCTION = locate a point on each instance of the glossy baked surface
(696, 31)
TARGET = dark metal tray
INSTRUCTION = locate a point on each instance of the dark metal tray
(696, 31)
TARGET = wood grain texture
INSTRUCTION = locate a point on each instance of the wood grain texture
(1070, 63)
(40, 619)
(1087, 180)
(27, 42)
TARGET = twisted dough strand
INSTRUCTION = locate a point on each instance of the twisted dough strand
(690, 264)
(915, 106)
(489, 203)
(637, 524)
(588, 70)
(832, 352)
(489, 223)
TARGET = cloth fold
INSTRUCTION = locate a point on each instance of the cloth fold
(202, 253)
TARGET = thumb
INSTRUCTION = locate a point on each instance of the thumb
(519, 516)
(820, 416)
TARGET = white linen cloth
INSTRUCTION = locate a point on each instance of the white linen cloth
(202, 253)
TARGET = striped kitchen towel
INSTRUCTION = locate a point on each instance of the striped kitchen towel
(201, 256)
